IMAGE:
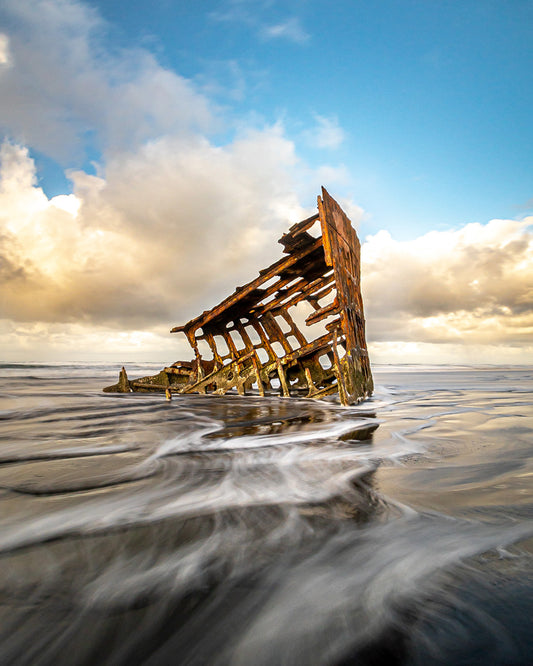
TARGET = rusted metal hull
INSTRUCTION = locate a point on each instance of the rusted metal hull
(298, 329)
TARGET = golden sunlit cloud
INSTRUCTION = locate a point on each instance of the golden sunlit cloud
(471, 286)
(125, 257)
(172, 222)
(168, 227)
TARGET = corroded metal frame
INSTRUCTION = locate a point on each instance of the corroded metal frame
(255, 337)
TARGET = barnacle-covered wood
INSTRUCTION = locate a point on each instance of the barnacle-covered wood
(296, 329)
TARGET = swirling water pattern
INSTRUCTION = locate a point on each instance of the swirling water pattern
(241, 530)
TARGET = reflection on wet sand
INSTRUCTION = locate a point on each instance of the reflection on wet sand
(242, 531)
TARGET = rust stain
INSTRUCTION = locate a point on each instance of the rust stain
(298, 329)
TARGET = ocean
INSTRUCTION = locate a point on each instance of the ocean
(266, 532)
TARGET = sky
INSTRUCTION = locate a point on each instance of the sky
(151, 154)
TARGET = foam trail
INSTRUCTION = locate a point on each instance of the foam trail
(239, 530)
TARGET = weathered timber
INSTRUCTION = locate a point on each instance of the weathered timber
(296, 329)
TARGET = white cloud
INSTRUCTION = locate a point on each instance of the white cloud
(327, 133)
(63, 85)
(174, 227)
(291, 29)
(255, 16)
(172, 222)
(45, 341)
(171, 226)
(67, 202)
(471, 286)
(401, 352)
(5, 56)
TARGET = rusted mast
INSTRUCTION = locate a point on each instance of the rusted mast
(255, 336)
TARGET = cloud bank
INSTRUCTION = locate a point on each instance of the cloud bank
(171, 221)
(167, 228)
(163, 236)
(471, 286)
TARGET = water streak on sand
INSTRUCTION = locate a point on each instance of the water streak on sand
(238, 530)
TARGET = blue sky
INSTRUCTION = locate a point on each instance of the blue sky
(136, 121)
(434, 98)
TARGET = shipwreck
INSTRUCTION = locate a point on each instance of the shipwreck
(298, 329)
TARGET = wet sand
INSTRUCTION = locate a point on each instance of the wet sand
(241, 530)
